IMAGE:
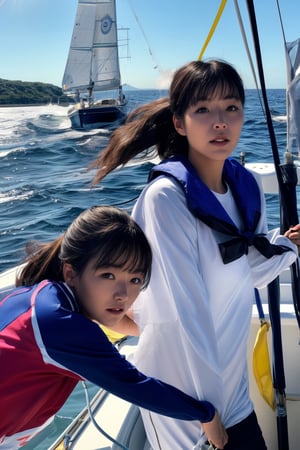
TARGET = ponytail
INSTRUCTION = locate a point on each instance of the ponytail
(43, 264)
(149, 125)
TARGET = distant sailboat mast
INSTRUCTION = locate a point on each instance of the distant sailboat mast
(91, 85)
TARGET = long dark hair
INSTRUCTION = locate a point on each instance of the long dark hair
(104, 233)
(152, 124)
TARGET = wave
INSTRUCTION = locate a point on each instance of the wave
(15, 195)
(10, 150)
(49, 123)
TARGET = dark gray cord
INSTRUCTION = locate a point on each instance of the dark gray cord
(94, 421)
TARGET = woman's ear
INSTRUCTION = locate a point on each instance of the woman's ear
(179, 126)
(69, 274)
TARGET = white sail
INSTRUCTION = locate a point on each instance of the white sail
(293, 95)
(93, 57)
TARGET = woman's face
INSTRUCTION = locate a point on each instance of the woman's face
(105, 294)
(212, 127)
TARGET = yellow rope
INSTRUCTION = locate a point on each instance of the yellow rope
(213, 27)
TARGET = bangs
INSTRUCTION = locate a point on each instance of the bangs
(203, 81)
(107, 236)
(128, 254)
(212, 88)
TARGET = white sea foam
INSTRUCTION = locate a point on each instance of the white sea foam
(14, 195)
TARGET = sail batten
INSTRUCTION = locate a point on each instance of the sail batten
(93, 60)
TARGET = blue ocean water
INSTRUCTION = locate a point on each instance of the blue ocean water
(45, 182)
(44, 176)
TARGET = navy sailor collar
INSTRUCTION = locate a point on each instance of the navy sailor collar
(205, 206)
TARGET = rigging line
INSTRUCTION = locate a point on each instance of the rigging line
(280, 19)
(242, 28)
(213, 28)
(156, 65)
(273, 287)
(110, 438)
(264, 94)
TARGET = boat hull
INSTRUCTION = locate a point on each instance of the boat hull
(102, 116)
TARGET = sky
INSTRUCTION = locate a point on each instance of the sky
(162, 35)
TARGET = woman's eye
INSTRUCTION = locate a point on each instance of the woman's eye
(201, 110)
(107, 276)
(136, 280)
(232, 108)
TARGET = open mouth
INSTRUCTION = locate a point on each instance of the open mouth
(115, 310)
(220, 140)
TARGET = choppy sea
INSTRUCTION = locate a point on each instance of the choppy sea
(45, 182)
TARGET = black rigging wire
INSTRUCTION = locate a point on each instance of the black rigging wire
(243, 32)
(287, 185)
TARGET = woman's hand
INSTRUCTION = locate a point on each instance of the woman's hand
(215, 432)
(294, 235)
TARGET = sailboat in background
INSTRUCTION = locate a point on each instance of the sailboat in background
(93, 67)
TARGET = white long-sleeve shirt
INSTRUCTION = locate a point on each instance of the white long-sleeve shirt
(195, 315)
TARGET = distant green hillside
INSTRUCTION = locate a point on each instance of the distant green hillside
(25, 93)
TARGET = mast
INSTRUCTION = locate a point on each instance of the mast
(287, 181)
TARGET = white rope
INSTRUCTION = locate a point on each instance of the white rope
(156, 65)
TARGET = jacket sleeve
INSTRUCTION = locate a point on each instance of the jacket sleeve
(89, 355)
(266, 270)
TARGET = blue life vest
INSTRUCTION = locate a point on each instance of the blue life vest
(205, 206)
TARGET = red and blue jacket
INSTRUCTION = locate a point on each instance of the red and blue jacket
(47, 346)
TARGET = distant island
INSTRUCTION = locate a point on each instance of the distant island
(30, 93)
